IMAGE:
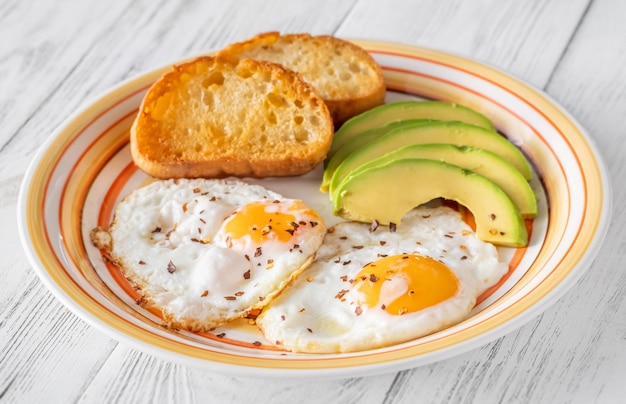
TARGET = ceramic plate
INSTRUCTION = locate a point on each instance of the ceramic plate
(85, 168)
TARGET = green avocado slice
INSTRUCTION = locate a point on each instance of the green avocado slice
(480, 161)
(385, 192)
(359, 140)
(399, 110)
(457, 133)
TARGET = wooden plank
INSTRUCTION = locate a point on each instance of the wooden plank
(129, 376)
(524, 38)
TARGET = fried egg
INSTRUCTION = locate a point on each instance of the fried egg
(205, 252)
(371, 287)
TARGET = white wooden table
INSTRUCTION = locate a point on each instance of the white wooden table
(54, 56)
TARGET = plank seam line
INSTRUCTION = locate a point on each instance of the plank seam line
(569, 42)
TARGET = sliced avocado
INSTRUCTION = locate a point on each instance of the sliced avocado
(480, 161)
(435, 132)
(395, 111)
(357, 141)
(385, 192)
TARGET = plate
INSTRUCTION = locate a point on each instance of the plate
(85, 168)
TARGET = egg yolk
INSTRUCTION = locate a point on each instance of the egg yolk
(405, 283)
(268, 220)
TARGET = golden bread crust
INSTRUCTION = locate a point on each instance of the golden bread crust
(217, 117)
(345, 75)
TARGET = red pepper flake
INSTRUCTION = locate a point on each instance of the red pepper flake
(270, 264)
(258, 252)
(382, 242)
(313, 224)
(383, 307)
(171, 231)
(343, 238)
(142, 262)
(392, 227)
(302, 310)
(257, 343)
(374, 226)
(275, 201)
(213, 199)
(492, 216)
(261, 298)
(358, 311)
(220, 335)
(302, 223)
(246, 275)
(373, 278)
(282, 317)
(464, 257)
(230, 298)
(382, 255)
(357, 247)
(341, 293)
(309, 330)
(240, 293)
(252, 314)
(344, 278)
(185, 207)
(156, 230)
(171, 268)
(196, 190)
(205, 293)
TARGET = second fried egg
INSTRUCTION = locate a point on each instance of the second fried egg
(372, 287)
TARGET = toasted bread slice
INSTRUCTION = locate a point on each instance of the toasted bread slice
(211, 117)
(345, 75)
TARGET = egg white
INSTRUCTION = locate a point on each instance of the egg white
(316, 314)
(169, 239)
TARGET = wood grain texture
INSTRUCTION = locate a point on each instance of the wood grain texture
(62, 54)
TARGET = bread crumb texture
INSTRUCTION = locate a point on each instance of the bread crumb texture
(345, 75)
(213, 117)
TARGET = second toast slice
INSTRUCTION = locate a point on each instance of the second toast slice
(345, 75)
